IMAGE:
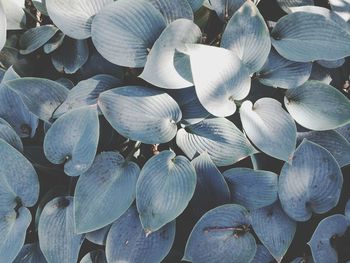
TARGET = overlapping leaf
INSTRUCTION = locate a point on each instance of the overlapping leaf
(30, 253)
(311, 183)
(221, 235)
(173, 10)
(331, 63)
(54, 43)
(98, 236)
(129, 37)
(287, 4)
(223, 141)
(40, 5)
(195, 4)
(341, 7)
(127, 241)
(15, 15)
(165, 186)
(318, 106)
(10, 74)
(96, 256)
(73, 139)
(8, 134)
(226, 8)
(2, 26)
(141, 114)
(262, 255)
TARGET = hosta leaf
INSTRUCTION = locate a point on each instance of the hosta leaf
(160, 69)
(331, 64)
(295, 37)
(195, 4)
(10, 74)
(320, 73)
(287, 4)
(18, 175)
(40, 5)
(220, 82)
(341, 7)
(15, 15)
(303, 260)
(54, 43)
(75, 18)
(30, 253)
(14, 111)
(262, 255)
(335, 143)
(247, 35)
(8, 134)
(251, 188)
(104, 192)
(129, 37)
(165, 186)
(141, 114)
(70, 56)
(73, 139)
(226, 8)
(96, 256)
(86, 92)
(35, 38)
(98, 236)
(312, 183)
(211, 188)
(321, 241)
(345, 131)
(269, 127)
(41, 96)
(173, 10)
(13, 227)
(280, 72)
(127, 241)
(318, 106)
(65, 82)
(57, 239)
(347, 209)
(274, 228)
(223, 141)
(221, 235)
(2, 26)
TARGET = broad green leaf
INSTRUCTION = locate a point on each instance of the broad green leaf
(226, 8)
(221, 235)
(3, 26)
(128, 38)
(195, 4)
(98, 236)
(274, 229)
(74, 18)
(311, 33)
(247, 35)
(30, 253)
(262, 255)
(15, 15)
(173, 10)
(318, 106)
(128, 242)
(165, 186)
(160, 69)
(54, 43)
(311, 183)
(35, 38)
(219, 76)
(96, 256)
(269, 127)
(70, 56)
(9, 135)
(41, 96)
(334, 142)
(86, 92)
(223, 141)
(72, 139)
(341, 7)
(57, 239)
(250, 188)
(280, 72)
(140, 113)
(104, 192)
(13, 227)
(287, 4)
(321, 245)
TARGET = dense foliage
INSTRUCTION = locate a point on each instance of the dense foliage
(174, 130)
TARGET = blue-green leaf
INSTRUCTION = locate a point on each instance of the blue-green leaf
(104, 192)
(341, 7)
(160, 69)
(318, 106)
(74, 18)
(195, 4)
(345, 131)
(269, 127)
(98, 236)
(320, 243)
(2, 26)
(218, 83)
(347, 209)
(311, 183)
(10, 74)
(280, 72)
(226, 8)
(247, 35)
(54, 43)
(30, 253)
(41, 96)
(287, 4)
(331, 63)
(73, 139)
(57, 239)
(35, 38)
(320, 73)
(8, 134)
(274, 228)
(262, 255)
(295, 37)
(223, 141)
(96, 256)
(141, 114)
(13, 227)
(127, 241)
(165, 186)
(221, 235)
(129, 37)
(40, 5)
(307, 259)
(86, 92)
(251, 188)
(14, 13)
(173, 10)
